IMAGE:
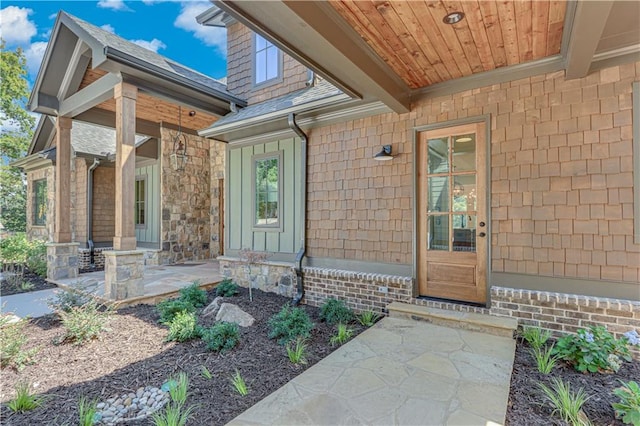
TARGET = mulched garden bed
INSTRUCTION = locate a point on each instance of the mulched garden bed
(10, 286)
(526, 401)
(134, 354)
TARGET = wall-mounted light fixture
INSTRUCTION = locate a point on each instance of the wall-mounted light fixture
(384, 154)
(179, 155)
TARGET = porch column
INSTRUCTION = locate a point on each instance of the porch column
(62, 254)
(125, 96)
(62, 223)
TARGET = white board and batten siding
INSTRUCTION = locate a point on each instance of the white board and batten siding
(150, 232)
(240, 229)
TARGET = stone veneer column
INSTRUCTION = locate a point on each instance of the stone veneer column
(123, 272)
(62, 260)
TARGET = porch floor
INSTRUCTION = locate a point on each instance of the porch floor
(159, 281)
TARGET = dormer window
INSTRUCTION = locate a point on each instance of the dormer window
(267, 62)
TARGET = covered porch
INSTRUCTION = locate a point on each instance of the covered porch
(158, 281)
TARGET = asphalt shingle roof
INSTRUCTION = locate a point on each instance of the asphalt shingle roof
(323, 89)
(111, 40)
(95, 140)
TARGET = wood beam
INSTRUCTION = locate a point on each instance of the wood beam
(62, 223)
(103, 117)
(90, 96)
(315, 34)
(125, 235)
(586, 31)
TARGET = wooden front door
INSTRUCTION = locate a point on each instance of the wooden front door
(452, 203)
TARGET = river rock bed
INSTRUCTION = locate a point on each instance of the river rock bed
(131, 406)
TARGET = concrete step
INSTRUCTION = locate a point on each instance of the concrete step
(497, 326)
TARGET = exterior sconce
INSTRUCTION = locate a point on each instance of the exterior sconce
(179, 155)
(384, 155)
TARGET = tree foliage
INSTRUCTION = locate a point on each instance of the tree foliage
(15, 135)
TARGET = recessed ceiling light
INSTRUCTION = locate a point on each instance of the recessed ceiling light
(453, 18)
(464, 139)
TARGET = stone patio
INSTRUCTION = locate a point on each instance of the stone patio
(159, 281)
(399, 372)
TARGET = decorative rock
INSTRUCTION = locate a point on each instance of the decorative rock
(127, 402)
(100, 406)
(213, 307)
(232, 313)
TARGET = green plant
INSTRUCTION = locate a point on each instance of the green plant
(85, 323)
(239, 384)
(628, 409)
(194, 295)
(368, 317)
(297, 352)
(168, 309)
(335, 311)
(68, 298)
(226, 288)
(593, 350)
(87, 412)
(545, 360)
(206, 373)
(24, 400)
(12, 341)
(289, 324)
(221, 337)
(184, 327)
(37, 258)
(175, 414)
(535, 336)
(566, 404)
(343, 334)
(26, 285)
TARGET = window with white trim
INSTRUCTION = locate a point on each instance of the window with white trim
(267, 61)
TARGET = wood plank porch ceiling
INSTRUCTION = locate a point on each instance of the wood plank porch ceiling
(411, 37)
(153, 109)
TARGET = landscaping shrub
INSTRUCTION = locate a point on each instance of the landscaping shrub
(16, 251)
(368, 318)
(226, 288)
(289, 324)
(184, 327)
(37, 258)
(194, 295)
(297, 352)
(85, 323)
(68, 298)
(168, 309)
(593, 350)
(12, 340)
(223, 336)
(334, 311)
(535, 336)
(628, 409)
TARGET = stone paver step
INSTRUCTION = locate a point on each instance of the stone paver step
(497, 326)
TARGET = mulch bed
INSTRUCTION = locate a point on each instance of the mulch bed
(526, 401)
(134, 354)
(8, 287)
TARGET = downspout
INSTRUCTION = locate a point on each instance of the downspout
(90, 244)
(303, 220)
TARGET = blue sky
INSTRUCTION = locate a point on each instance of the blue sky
(168, 27)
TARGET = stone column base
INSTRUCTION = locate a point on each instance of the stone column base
(123, 272)
(62, 260)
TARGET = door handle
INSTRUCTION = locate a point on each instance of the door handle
(482, 234)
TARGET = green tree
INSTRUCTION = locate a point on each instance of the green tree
(15, 135)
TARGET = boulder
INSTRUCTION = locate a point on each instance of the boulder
(232, 313)
(213, 307)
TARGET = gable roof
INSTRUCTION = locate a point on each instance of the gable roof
(76, 44)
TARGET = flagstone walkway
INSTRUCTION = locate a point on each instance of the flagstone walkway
(399, 372)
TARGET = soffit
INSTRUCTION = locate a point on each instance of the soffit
(411, 37)
(622, 28)
(152, 109)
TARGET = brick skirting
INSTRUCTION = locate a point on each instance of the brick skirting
(84, 258)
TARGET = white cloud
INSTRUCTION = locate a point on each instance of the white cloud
(15, 26)
(113, 4)
(109, 28)
(153, 45)
(211, 36)
(34, 54)
(53, 16)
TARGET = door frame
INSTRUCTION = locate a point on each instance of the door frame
(486, 119)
